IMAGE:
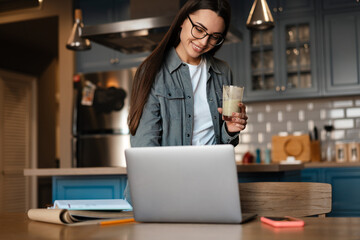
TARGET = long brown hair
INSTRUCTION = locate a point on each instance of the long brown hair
(146, 72)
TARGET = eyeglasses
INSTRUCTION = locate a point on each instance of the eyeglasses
(199, 32)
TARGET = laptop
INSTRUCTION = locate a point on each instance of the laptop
(184, 184)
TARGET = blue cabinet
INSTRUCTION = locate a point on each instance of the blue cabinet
(285, 176)
(88, 187)
(342, 51)
(325, 64)
(345, 183)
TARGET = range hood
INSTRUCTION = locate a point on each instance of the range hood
(143, 33)
(139, 35)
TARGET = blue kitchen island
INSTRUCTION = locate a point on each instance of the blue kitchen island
(110, 182)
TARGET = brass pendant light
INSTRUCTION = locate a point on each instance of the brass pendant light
(76, 42)
(260, 17)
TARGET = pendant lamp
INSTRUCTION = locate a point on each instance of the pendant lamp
(76, 42)
(260, 17)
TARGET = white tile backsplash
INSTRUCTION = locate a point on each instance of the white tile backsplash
(353, 134)
(343, 103)
(260, 117)
(268, 127)
(280, 116)
(323, 114)
(271, 118)
(357, 122)
(353, 112)
(310, 106)
(301, 115)
(336, 113)
(338, 135)
(344, 123)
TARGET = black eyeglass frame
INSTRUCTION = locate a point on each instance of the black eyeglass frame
(206, 33)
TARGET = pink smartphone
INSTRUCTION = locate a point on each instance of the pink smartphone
(283, 221)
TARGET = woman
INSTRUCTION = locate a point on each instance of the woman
(176, 97)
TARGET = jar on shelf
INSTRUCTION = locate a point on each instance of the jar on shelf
(354, 151)
(341, 149)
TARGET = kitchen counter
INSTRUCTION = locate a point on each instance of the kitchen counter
(110, 182)
(241, 168)
(331, 164)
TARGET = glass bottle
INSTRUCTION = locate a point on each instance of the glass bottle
(329, 148)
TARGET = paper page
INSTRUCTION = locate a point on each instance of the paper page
(99, 214)
(97, 204)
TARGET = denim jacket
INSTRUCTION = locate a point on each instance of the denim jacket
(167, 118)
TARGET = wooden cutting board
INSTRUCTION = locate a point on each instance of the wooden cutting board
(297, 146)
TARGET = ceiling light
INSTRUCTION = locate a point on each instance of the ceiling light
(76, 42)
(260, 17)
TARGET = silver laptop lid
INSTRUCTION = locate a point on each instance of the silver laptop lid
(184, 184)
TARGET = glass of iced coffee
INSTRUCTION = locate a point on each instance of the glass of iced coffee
(232, 96)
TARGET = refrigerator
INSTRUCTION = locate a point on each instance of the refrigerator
(99, 126)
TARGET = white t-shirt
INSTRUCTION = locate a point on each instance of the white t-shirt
(203, 129)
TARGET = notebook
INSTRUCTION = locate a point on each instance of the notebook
(188, 184)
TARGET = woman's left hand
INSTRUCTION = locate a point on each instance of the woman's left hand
(238, 121)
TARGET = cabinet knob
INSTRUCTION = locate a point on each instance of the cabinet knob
(281, 9)
(277, 89)
(114, 60)
(283, 88)
(275, 10)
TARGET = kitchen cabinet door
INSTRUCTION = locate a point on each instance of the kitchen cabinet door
(88, 187)
(336, 4)
(282, 61)
(298, 57)
(287, 7)
(344, 182)
(280, 8)
(342, 51)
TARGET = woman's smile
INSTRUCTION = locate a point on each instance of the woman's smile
(197, 48)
